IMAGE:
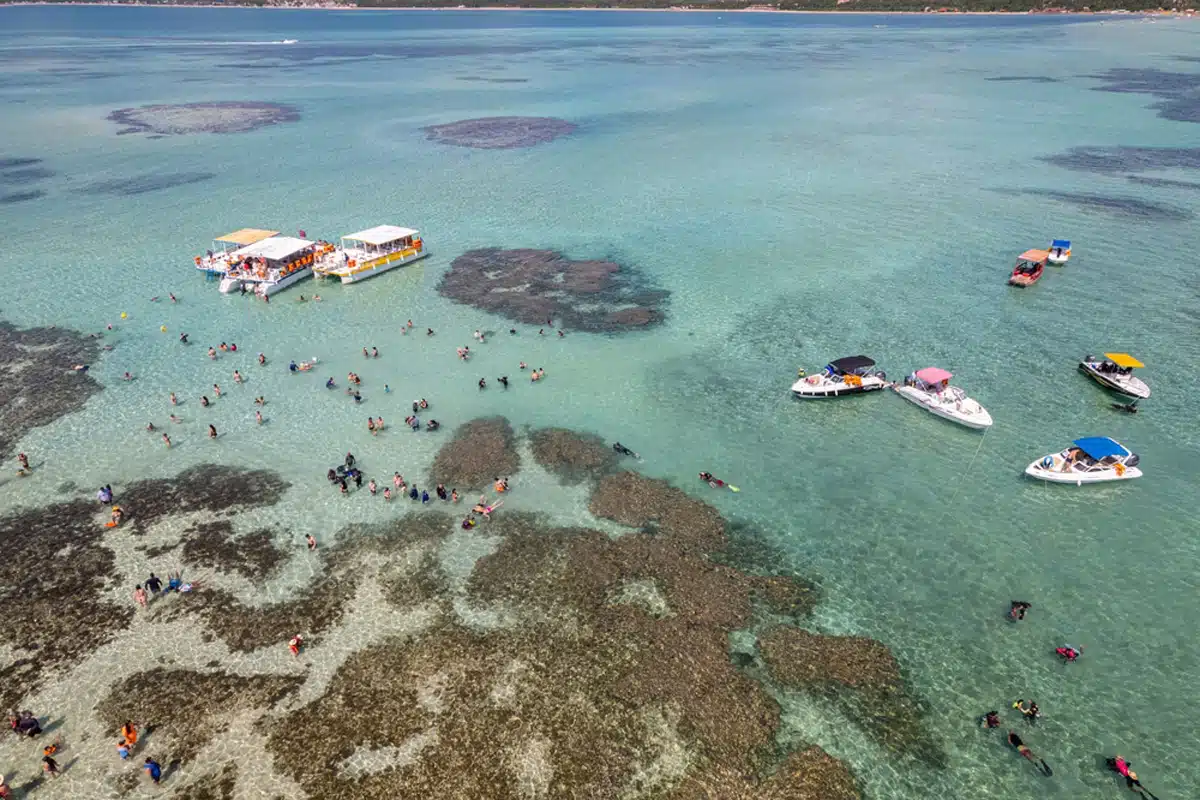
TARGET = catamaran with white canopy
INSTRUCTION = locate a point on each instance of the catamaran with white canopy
(270, 265)
(368, 253)
(217, 260)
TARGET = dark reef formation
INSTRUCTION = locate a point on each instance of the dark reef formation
(184, 709)
(37, 384)
(499, 133)
(214, 545)
(531, 286)
(141, 184)
(574, 457)
(481, 451)
(1130, 207)
(53, 579)
(189, 118)
(1108, 160)
(54, 576)
(1178, 93)
(12, 198)
(861, 674)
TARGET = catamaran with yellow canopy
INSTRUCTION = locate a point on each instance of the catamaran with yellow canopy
(1115, 371)
(371, 252)
(218, 260)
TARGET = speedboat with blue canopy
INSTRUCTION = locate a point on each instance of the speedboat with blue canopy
(849, 375)
(930, 389)
(1115, 371)
(1095, 459)
(1060, 252)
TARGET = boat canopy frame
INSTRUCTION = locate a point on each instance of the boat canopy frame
(933, 376)
(851, 364)
(1099, 447)
(1060, 244)
(245, 237)
(1124, 360)
(1035, 256)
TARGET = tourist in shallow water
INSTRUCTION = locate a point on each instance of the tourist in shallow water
(212, 354)
(166, 440)
(424, 403)
(329, 384)
(139, 596)
(258, 418)
(150, 427)
(371, 487)
(374, 352)
(991, 719)
(483, 383)
(1018, 609)
(379, 423)
(262, 360)
(204, 400)
(311, 541)
(503, 380)
(212, 431)
(154, 584)
(371, 425)
(441, 491)
(260, 401)
(433, 425)
(365, 353)
(342, 486)
(429, 331)
(174, 402)
(357, 397)
(237, 376)
(183, 338)
(387, 493)
(454, 495)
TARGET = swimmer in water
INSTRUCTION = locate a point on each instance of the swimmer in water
(175, 419)
(454, 495)
(522, 365)
(126, 377)
(1018, 609)
(166, 440)
(216, 390)
(483, 383)
(237, 376)
(183, 338)
(991, 719)
(262, 359)
(150, 426)
(204, 400)
(374, 352)
(212, 432)
(258, 417)
(503, 380)
(329, 384)
(260, 401)
(1025, 752)
(424, 403)
(173, 300)
(212, 354)
(174, 402)
(429, 331)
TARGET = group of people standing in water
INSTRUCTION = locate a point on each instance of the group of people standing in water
(1031, 713)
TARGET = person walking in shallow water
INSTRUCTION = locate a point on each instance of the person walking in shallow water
(312, 542)
(139, 596)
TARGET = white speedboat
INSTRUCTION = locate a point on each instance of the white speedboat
(930, 389)
(1059, 252)
(1115, 371)
(219, 259)
(849, 375)
(269, 266)
(371, 252)
(1096, 459)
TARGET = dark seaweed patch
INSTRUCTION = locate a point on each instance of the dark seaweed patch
(208, 487)
(572, 456)
(485, 79)
(23, 176)
(1023, 79)
(481, 451)
(499, 133)
(20, 197)
(531, 286)
(37, 384)
(1162, 183)
(1178, 92)
(13, 162)
(141, 184)
(1106, 160)
(1129, 207)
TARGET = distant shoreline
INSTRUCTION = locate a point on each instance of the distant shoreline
(677, 10)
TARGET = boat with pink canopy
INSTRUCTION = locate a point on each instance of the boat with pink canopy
(930, 389)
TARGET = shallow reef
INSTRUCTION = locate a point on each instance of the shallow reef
(141, 184)
(53, 579)
(531, 286)
(207, 487)
(37, 384)
(573, 457)
(189, 118)
(499, 133)
(877, 699)
(481, 451)
(214, 545)
(179, 711)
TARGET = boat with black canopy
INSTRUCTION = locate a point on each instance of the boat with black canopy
(849, 375)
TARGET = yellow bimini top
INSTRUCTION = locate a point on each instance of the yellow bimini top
(1124, 360)
(246, 236)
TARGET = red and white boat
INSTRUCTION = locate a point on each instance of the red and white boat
(1028, 270)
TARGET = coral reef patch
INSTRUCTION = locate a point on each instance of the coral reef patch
(185, 709)
(572, 456)
(190, 118)
(1178, 93)
(877, 699)
(37, 384)
(481, 451)
(207, 487)
(499, 133)
(1107, 160)
(12, 198)
(214, 545)
(531, 286)
(150, 182)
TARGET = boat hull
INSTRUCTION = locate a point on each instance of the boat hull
(1055, 475)
(370, 269)
(1058, 261)
(269, 289)
(1129, 386)
(979, 421)
(826, 389)
(1025, 280)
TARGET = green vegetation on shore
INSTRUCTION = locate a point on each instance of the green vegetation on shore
(929, 6)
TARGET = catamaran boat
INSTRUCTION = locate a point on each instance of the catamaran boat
(930, 389)
(1096, 459)
(1115, 371)
(368, 253)
(218, 260)
(849, 375)
(1060, 252)
(269, 266)
(1029, 268)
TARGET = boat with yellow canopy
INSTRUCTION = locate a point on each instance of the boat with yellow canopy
(371, 252)
(1115, 371)
(217, 260)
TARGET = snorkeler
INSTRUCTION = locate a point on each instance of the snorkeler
(1124, 768)
(1031, 712)
(625, 451)
(1018, 609)
(1033, 757)
(1069, 653)
(991, 719)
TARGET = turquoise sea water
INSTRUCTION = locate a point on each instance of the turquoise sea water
(806, 187)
